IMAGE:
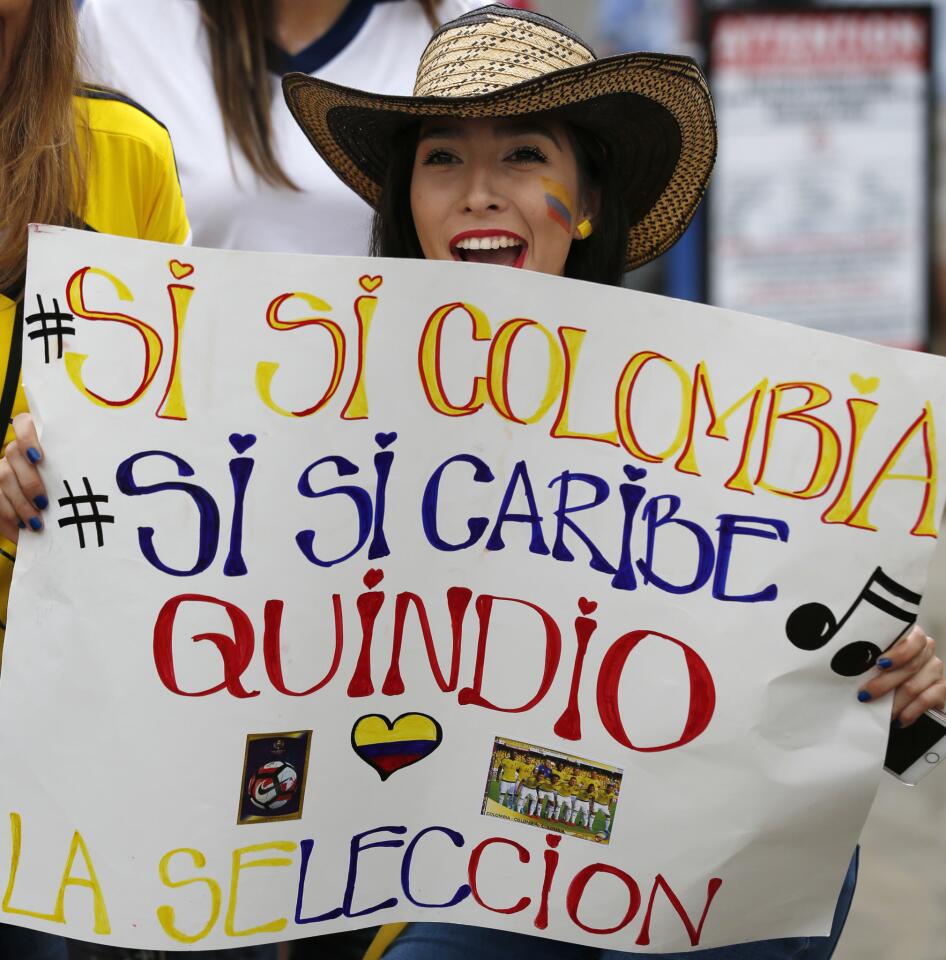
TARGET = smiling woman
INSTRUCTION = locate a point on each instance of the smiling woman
(520, 149)
(515, 129)
(532, 185)
(498, 191)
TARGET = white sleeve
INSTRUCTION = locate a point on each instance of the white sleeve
(95, 64)
(451, 9)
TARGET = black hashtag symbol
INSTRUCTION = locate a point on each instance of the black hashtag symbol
(87, 499)
(57, 328)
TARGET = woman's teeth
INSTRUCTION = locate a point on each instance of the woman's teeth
(488, 243)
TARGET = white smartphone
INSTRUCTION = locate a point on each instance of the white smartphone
(915, 751)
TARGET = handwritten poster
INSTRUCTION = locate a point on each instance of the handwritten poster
(383, 590)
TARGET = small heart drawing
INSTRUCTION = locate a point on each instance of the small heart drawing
(373, 577)
(180, 270)
(587, 606)
(370, 283)
(385, 439)
(635, 473)
(388, 747)
(242, 442)
(864, 384)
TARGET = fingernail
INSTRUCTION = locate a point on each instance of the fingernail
(896, 724)
(22, 525)
(33, 455)
(41, 502)
(884, 662)
(862, 695)
(36, 524)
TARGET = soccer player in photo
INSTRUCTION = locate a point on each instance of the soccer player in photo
(528, 794)
(508, 777)
(546, 796)
(494, 769)
(564, 802)
(582, 804)
(604, 803)
(526, 768)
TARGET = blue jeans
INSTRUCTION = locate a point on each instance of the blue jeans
(18, 943)
(268, 952)
(450, 941)
(92, 951)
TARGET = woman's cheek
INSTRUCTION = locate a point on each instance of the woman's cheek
(420, 211)
(559, 204)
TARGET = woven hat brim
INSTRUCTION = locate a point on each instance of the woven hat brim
(653, 110)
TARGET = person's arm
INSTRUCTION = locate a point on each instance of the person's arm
(93, 25)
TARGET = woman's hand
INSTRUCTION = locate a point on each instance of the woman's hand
(22, 494)
(911, 669)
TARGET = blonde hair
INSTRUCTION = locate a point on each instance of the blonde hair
(42, 174)
(237, 31)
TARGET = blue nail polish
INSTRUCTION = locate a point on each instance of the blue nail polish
(36, 524)
(33, 455)
(896, 724)
(22, 525)
(884, 663)
(862, 695)
(41, 502)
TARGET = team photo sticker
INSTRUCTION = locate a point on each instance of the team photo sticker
(552, 791)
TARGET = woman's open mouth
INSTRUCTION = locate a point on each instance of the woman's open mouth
(500, 247)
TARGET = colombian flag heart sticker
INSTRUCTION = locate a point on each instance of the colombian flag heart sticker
(389, 747)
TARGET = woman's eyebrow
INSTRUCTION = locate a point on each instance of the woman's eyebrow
(531, 130)
(442, 132)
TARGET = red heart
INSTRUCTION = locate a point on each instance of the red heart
(373, 577)
(587, 606)
(180, 270)
(370, 284)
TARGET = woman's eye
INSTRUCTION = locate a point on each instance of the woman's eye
(438, 156)
(527, 155)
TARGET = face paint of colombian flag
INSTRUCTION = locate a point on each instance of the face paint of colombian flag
(388, 747)
(559, 203)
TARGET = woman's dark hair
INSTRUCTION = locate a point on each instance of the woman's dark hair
(599, 259)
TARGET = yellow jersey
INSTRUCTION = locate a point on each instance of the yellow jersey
(132, 190)
(508, 769)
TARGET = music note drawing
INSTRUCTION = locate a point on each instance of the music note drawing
(812, 625)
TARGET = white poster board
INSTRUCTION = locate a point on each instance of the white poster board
(819, 210)
(351, 563)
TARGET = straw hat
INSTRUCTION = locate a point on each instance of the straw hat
(652, 110)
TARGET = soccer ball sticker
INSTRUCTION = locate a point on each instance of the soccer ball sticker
(274, 776)
(273, 785)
